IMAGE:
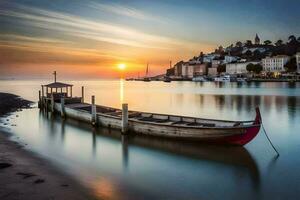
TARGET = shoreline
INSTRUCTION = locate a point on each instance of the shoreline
(25, 175)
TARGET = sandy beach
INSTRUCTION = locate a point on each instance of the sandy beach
(24, 175)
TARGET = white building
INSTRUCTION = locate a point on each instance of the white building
(209, 57)
(230, 59)
(215, 63)
(298, 61)
(238, 68)
(275, 64)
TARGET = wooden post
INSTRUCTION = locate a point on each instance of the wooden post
(39, 103)
(46, 104)
(42, 90)
(124, 118)
(71, 92)
(94, 112)
(62, 109)
(82, 94)
(52, 103)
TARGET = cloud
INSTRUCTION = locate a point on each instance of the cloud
(90, 29)
(122, 10)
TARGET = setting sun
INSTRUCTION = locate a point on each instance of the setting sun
(121, 66)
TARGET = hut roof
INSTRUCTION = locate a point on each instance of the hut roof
(58, 85)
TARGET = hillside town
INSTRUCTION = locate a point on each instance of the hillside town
(255, 60)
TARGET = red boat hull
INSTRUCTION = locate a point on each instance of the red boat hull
(246, 137)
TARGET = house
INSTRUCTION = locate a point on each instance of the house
(178, 69)
(298, 61)
(209, 57)
(230, 59)
(275, 64)
(238, 68)
(212, 71)
(187, 70)
(200, 69)
(216, 62)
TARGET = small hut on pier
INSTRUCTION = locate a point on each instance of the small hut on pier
(55, 92)
(58, 90)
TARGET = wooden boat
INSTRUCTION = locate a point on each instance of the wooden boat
(169, 126)
(152, 124)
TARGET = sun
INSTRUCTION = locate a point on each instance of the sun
(121, 66)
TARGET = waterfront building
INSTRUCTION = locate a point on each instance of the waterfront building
(275, 64)
(298, 61)
(238, 68)
(212, 71)
(187, 70)
(200, 69)
(178, 69)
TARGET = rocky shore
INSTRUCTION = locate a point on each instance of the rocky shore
(24, 175)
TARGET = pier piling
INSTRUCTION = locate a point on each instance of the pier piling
(52, 103)
(82, 94)
(94, 112)
(124, 118)
(62, 104)
(39, 103)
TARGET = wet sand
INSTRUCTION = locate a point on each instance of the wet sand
(24, 175)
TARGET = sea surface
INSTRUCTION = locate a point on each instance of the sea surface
(134, 167)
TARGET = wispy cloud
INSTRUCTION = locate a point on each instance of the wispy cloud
(122, 10)
(89, 29)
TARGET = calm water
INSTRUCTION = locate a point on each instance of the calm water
(117, 167)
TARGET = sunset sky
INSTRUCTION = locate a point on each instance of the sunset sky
(91, 38)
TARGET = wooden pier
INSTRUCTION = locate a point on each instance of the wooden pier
(57, 98)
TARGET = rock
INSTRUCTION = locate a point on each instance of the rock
(38, 181)
(5, 165)
(64, 185)
(26, 175)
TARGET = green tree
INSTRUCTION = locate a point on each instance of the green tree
(248, 43)
(279, 43)
(250, 67)
(291, 65)
(292, 38)
(268, 42)
(238, 44)
(257, 68)
(221, 68)
(248, 53)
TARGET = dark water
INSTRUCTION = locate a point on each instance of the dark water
(117, 167)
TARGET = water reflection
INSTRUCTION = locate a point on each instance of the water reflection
(237, 158)
(138, 167)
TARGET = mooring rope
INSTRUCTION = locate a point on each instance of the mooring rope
(269, 139)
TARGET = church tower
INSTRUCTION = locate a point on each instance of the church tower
(257, 40)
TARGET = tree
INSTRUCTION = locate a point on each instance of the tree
(201, 54)
(268, 42)
(250, 67)
(238, 44)
(292, 38)
(248, 43)
(291, 65)
(248, 53)
(279, 43)
(257, 68)
(221, 68)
